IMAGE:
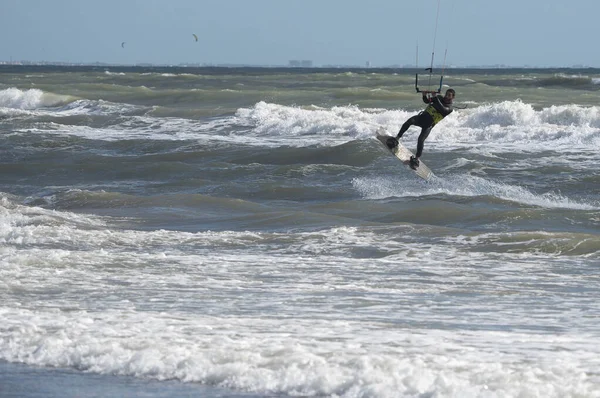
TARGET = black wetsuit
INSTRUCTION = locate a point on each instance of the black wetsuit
(436, 111)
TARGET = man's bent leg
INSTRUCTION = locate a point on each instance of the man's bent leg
(413, 120)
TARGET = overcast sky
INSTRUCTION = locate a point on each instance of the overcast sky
(327, 32)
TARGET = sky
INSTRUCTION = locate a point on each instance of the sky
(543, 33)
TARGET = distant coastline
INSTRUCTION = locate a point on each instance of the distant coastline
(283, 66)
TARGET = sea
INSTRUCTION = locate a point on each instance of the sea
(240, 232)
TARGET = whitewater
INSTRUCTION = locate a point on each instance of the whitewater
(239, 232)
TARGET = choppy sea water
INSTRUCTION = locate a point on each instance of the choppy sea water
(240, 232)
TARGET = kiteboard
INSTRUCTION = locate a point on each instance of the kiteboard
(404, 155)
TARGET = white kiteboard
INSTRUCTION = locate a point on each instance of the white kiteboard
(404, 155)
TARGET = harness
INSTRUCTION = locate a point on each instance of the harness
(435, 115)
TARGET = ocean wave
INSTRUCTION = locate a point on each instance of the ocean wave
(506, 113)
(541, 242)
(34, 98)
(36, 102)
(274, 125)
(74, 113)
(571, 115)
(507, 121)
(556, 80)
(518, 113)
(565, 80)
(313, 126)
(109, 73)
(30, 225)
(468, 186)
(19, 223)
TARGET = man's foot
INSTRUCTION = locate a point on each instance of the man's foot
(414, 162)
(391, 142)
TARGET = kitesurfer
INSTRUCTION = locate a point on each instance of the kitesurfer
(438, 107)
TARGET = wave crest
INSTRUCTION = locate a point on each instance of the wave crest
(507, 113)
(566, 115)
(30, 99)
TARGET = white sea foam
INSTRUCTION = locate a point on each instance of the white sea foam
(89, 107)
(495, 124)
(287, 313)
(571, 77)
(468, 186)
(300, 126)
(141, 127)
(519, 114)
(339, 358)
(507, 113)
(568, 115)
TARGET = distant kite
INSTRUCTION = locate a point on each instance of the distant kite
(123, 44)
(195, 37)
